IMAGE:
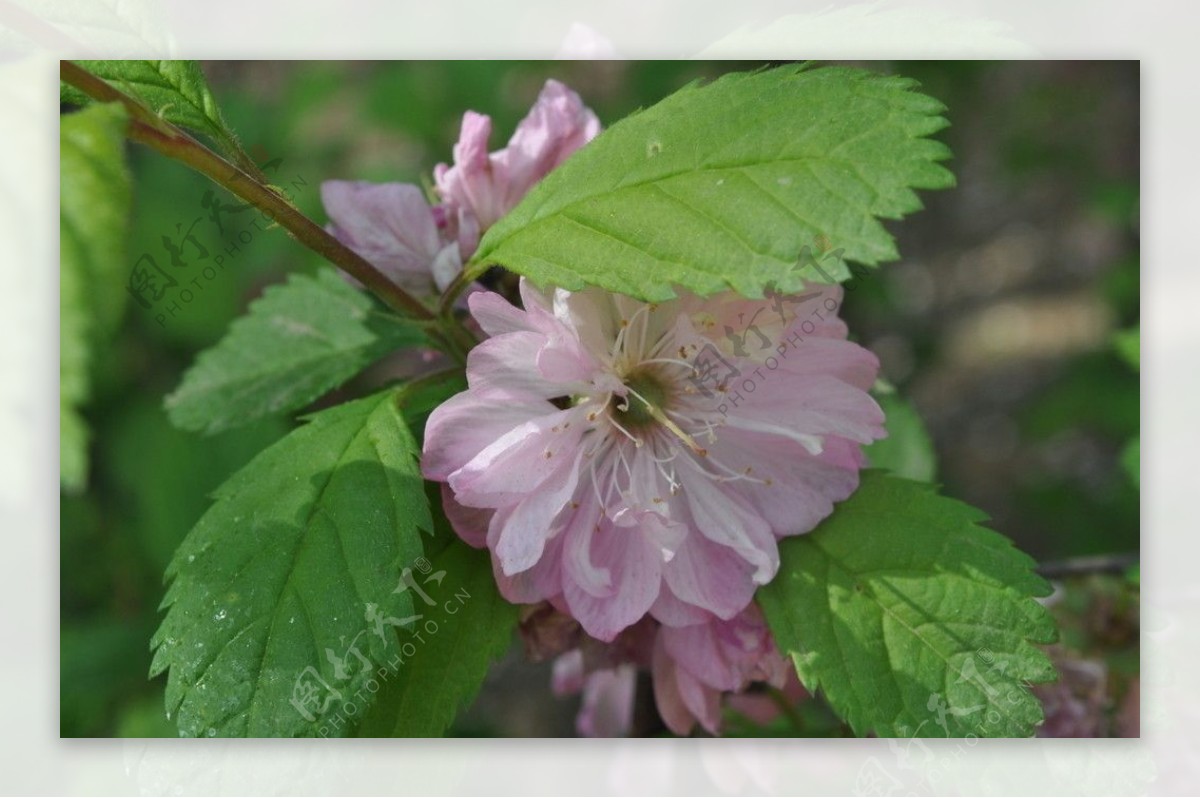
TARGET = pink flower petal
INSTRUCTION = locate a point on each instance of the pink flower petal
(389, 224)
(466, 424)
(725, 519)
(520, 540)
(470, 523)
(635, 569)
(710, 576)
(517, 463)
(607, 709)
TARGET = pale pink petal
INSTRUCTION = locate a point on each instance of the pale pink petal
(671, 708)
(607, 709)
(567, 676)
(792, 489)
(807, 408)
(556, 126)
(520, 540)
(671, 611)
(496, 315)
(702, 701)
(542, 582)
(519, 461)
(389, 224)
(634, 566)
(710, 576)
(698, 651)
(466, 424)
(591, 578)
(832, 357)
(508, 364)
(726, 520)
(483, 187)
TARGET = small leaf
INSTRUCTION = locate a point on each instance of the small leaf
(912, 618)
(175, 90)
(468, 626)
(907, 451)
(299, 341)
(276, 587)
(95, 199)
(722, 186)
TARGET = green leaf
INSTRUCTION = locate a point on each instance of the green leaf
(283, 574)
(722, 186)
(1129, 346)
(907, 451)
(1131, 460)
(300, 340)
(466, 628)
(95, 198)
(912, 618)
(175, 90)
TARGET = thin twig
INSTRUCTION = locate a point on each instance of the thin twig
(147, 128)
(1095, 564)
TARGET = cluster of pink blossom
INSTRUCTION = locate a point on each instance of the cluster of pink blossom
(421, 246)
(613, 455)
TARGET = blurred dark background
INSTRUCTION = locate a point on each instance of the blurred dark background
(997, 323)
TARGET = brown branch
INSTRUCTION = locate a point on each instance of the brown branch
(148, 128)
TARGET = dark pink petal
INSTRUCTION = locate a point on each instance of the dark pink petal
(470, 523)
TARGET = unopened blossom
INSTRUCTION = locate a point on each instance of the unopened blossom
(695, 670)
(483, 186)
(422, 247)
(694, 666)
(606, 709)
(620, 458)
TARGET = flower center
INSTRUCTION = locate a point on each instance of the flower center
(647, 398)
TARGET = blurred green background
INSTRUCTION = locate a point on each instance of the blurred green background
(997, 323)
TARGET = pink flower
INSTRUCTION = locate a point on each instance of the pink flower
(694, 665)
(694, 669)
(608, 695)
(633, 458)
(422, 247)
(481, 187)
(392, 226)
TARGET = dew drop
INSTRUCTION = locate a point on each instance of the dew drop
(220, 616)
(191, 558)
(721, 182)
(212, 732)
